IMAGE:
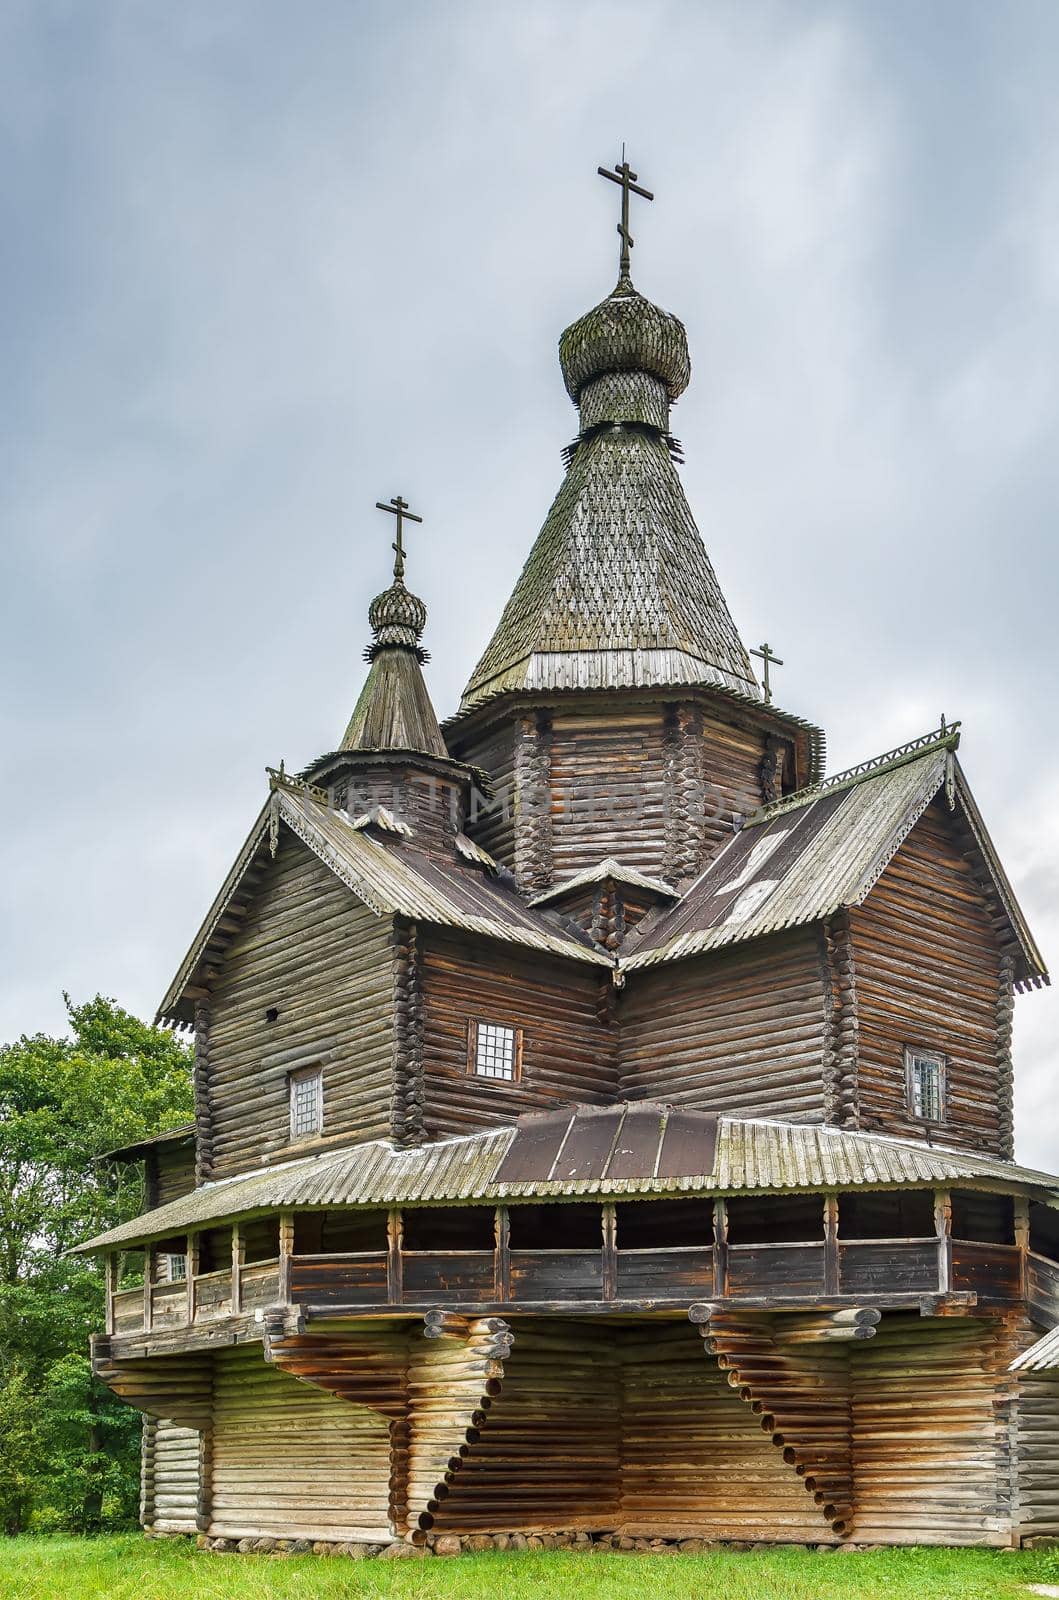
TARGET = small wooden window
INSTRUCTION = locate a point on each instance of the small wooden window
(494, 1051)
(176, 1268)
(306, 1103)
(926, 1085)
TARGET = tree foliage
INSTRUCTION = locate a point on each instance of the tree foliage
(68, 1449)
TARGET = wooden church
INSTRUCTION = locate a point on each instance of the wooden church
(603, 1119)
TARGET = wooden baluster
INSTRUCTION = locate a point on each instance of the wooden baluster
(394, 1275)
(610, 1252)
(720, 1249)
(191, 1267)
(286, 1250)
(831, 1257)
(502, 1279)
(110, 1282)
(148, 1273)
(237, 1269)
(943, 1230)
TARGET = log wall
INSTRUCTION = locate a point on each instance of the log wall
(696, 1462)
(930, 1450)
(325, 963)
(1037, 1445)
(170, 1477)
(930, 973)
(744, 1031)
(567, 1050)
(289, 1460)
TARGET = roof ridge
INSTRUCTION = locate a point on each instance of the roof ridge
(947, 737)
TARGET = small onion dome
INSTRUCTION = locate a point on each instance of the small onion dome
(625, 333)
(397, 617)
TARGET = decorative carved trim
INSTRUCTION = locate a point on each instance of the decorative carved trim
(533, 811)
(409, 1089)
(201, 1083)
(1005, 1011)
(845, 1030)
(684, 777)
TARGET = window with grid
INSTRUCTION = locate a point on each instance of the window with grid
(176, 1268)
(925, 1085)
(306, 1103)
(495, 1051)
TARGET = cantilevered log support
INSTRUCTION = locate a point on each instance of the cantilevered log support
(455, 1372)
(367, 1367)
(826, 1326)
(799, 1388)
(177, 1388)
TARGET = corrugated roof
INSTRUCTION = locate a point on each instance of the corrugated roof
(753, 1156)
(1040, 1357)
(805, 858)
(390, 877)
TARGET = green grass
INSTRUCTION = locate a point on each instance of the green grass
(132, 1568)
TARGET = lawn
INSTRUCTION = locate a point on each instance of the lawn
(131, 1568)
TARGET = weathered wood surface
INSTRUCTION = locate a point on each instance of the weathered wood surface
(287, 1456)
(567, 1051)
(744, 1030)
(323, 962)
(170, 1476)
(928, 973)
(1037, 1455)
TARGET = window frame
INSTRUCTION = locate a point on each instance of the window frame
(914, 1053)
(171, 1275)
(310, 1074)
(473, 1025)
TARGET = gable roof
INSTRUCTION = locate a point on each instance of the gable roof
(390, 877)
(723, 1155)
(603, 870)
(813, 853)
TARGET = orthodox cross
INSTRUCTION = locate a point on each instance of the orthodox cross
(398, 508)
(770, 658)
(626, 177)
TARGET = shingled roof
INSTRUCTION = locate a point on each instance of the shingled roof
(389, 876)
(618, 591)
(734, 1156)
(814, 853)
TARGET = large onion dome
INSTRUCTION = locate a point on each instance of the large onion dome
(625, 333)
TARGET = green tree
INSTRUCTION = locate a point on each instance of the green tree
(68, 1449)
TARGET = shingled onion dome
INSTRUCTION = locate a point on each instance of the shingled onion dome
(626, 360)
(618, 591)
(394, 711)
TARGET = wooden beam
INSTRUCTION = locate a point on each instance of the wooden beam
(394, 1274)
(610, 1252)
(191, 1267)
(720, 1249)
(238, 1253)
(831, 1258)
(148, 1269)
(110, 1279)
(286, 1251)
(503, 1254)
(943, 1230)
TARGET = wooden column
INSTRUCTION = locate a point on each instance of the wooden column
(720, 1249)
(191, 1267)
(943, 1229)
(502, 1279)
(1022, 1239)
(148, 1272)
(394, 1232)
(110, 1280)
(237, 1269)
(610, 1251)
(286, 1250)
(831, 1266)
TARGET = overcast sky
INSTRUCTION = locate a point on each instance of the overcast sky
(265, 264)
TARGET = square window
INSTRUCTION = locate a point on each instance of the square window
(306, 1103)
(926, 1085)
(495, 1051)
